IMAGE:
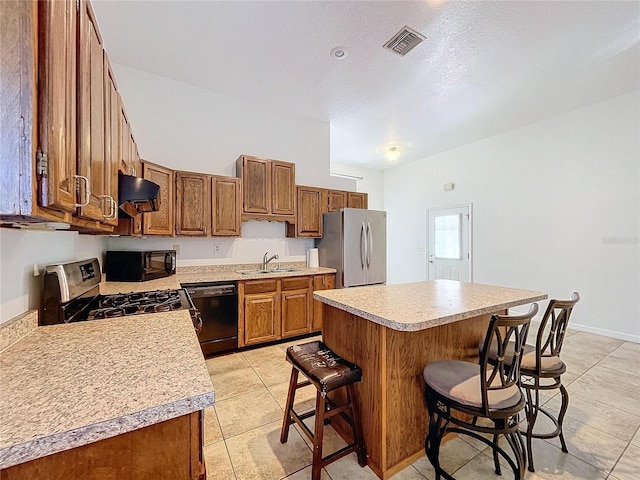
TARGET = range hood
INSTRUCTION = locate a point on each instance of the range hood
(137, 195)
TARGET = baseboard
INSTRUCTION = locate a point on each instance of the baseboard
(588, 329)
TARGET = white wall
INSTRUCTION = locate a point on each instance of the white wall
(185, 128)
(257, 238)
(22, 251)
(372, 182)
(188, 128)
(556, 208)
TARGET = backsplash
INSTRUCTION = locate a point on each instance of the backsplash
(16, 328)
(257, 238)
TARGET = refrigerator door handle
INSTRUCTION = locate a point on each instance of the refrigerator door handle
(370, 244)
(363, 245)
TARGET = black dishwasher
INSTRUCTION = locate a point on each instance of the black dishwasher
(218, 307)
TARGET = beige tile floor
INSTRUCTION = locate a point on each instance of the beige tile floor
(242, 430)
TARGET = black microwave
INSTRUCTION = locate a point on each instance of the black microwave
(138, 266)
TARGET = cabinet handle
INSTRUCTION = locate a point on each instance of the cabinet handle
(132, 169)
(113, 208)
(87, 190)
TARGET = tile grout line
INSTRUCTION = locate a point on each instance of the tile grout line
(226, 447)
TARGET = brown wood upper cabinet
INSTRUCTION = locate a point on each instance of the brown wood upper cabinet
(268, 188)
(129, 164)
(61, 138)
(338, 199)
(207, 205)
(112, 146)
(160, 222)
(56, 103)
(311, 203)
(357, 200)
(193, 207)
(226, 206)
(92, 166)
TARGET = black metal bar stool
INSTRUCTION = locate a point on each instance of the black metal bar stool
(487, 395)
(327, 372)
(541, 369)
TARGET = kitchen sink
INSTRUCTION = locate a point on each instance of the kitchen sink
(261, 271)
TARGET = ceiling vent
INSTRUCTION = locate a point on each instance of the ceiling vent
(404, 41)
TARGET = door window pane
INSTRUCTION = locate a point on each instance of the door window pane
(447, 237)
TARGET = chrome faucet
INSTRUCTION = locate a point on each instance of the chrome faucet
(265, 261)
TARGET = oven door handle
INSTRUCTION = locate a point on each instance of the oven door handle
(197, 320)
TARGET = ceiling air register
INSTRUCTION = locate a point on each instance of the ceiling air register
(404, 41)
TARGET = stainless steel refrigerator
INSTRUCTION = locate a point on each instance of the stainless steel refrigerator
(354, 242)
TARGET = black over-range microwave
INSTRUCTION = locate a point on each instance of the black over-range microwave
(136, 266)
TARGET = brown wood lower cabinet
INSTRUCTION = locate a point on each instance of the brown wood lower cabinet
(274, 308)
(321, 282)
(297, 313)
(263, 313)
(170, 450)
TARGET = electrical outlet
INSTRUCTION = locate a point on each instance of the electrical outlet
(176, 248)
(216, 248)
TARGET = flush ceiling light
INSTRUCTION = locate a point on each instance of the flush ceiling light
(392, 153)
(339, 53)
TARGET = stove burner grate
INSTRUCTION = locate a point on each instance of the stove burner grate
(121, 305)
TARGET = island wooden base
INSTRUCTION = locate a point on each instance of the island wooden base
(390, 396)
(169, 450)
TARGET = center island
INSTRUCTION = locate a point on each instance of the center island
(392, 332)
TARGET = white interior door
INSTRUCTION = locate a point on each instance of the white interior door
(449, 241)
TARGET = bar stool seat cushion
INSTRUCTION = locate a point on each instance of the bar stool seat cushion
(550, 364)
(324, 369)
(460, 382)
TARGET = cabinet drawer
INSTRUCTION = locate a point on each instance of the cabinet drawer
(260, 286)
(295, 283)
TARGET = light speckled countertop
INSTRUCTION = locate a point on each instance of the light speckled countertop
(64, 386)
(422, 305)
(209, 273)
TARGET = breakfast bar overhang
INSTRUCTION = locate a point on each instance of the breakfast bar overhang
(392, 332)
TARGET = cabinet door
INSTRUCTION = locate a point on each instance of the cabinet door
(357, 200)
(160, 222)
(337, 200)
(309, 211)
(283, 179)
(226, 206)
(91, 162)
(137, 171)
(296, 312)
(175, 453)
(321, 282)
(112, 147)
(125, 165)
(261, 318)
(57, 103)
(256, 184)
(192, 204)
